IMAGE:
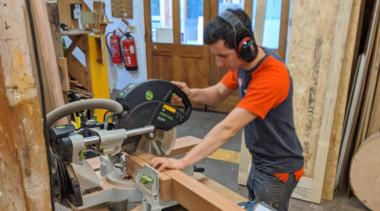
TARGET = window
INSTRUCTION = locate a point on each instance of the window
(162, 21)
(271, 36)
(191, 12)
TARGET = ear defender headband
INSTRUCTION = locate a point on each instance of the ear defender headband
(247, 48)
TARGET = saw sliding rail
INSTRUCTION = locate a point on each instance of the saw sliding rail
(132, 132)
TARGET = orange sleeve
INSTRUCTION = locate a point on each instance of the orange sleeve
(266, 91)
(230, 80)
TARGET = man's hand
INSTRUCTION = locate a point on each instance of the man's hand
(183, 86)
(169, 163)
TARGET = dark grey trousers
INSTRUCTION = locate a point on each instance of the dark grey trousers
(270, 189)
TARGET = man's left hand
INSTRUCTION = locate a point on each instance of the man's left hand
(169, 163)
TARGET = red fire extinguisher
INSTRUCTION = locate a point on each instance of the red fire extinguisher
(129, 52)
(115, 48)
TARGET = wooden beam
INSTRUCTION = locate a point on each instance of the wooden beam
(47, 57)
(24, 175)
(55, 28)
(222, 190)
(193, 195)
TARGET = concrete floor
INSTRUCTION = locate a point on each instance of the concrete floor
(226, 173)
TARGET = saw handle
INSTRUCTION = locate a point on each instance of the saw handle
(185, 101)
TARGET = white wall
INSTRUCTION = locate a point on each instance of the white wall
(118, 76)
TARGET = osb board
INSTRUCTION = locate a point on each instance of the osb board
(309, 61)
(65, 13)
(328, 186)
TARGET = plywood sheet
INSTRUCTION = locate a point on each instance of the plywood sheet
(365, 173)
(309, 61)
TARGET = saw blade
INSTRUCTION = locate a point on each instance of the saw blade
(158, 143)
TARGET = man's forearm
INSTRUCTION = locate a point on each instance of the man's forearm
(208, 96)
(219, 135)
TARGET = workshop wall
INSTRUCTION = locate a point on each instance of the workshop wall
(118, 76)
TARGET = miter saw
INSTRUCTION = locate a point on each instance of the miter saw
(143, 121)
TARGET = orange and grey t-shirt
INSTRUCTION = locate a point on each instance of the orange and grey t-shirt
(267, 91)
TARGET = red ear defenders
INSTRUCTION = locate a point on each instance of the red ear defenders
(247, 48)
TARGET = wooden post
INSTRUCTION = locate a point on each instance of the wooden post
(24, 175)
(47, 56)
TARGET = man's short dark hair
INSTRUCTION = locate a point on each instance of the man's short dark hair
(218, 29)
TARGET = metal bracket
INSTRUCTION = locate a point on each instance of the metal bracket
(151, 199)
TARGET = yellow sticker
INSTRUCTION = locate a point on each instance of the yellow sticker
(171, 109)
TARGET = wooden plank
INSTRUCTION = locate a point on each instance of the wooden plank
(332, 89)
(183, 145)
(47, 58)
(261, 8)
(258, 34)
(347, 141)
(283, 29)
(245, 157)
(374, 124)
(365, 171)
(97, 9)
(336, 137)
(135, 162)
(186, 190)
(55, 27)
(24, 181)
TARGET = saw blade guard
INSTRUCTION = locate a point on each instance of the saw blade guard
(148, 103)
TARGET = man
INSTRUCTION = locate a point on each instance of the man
(265, 111)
